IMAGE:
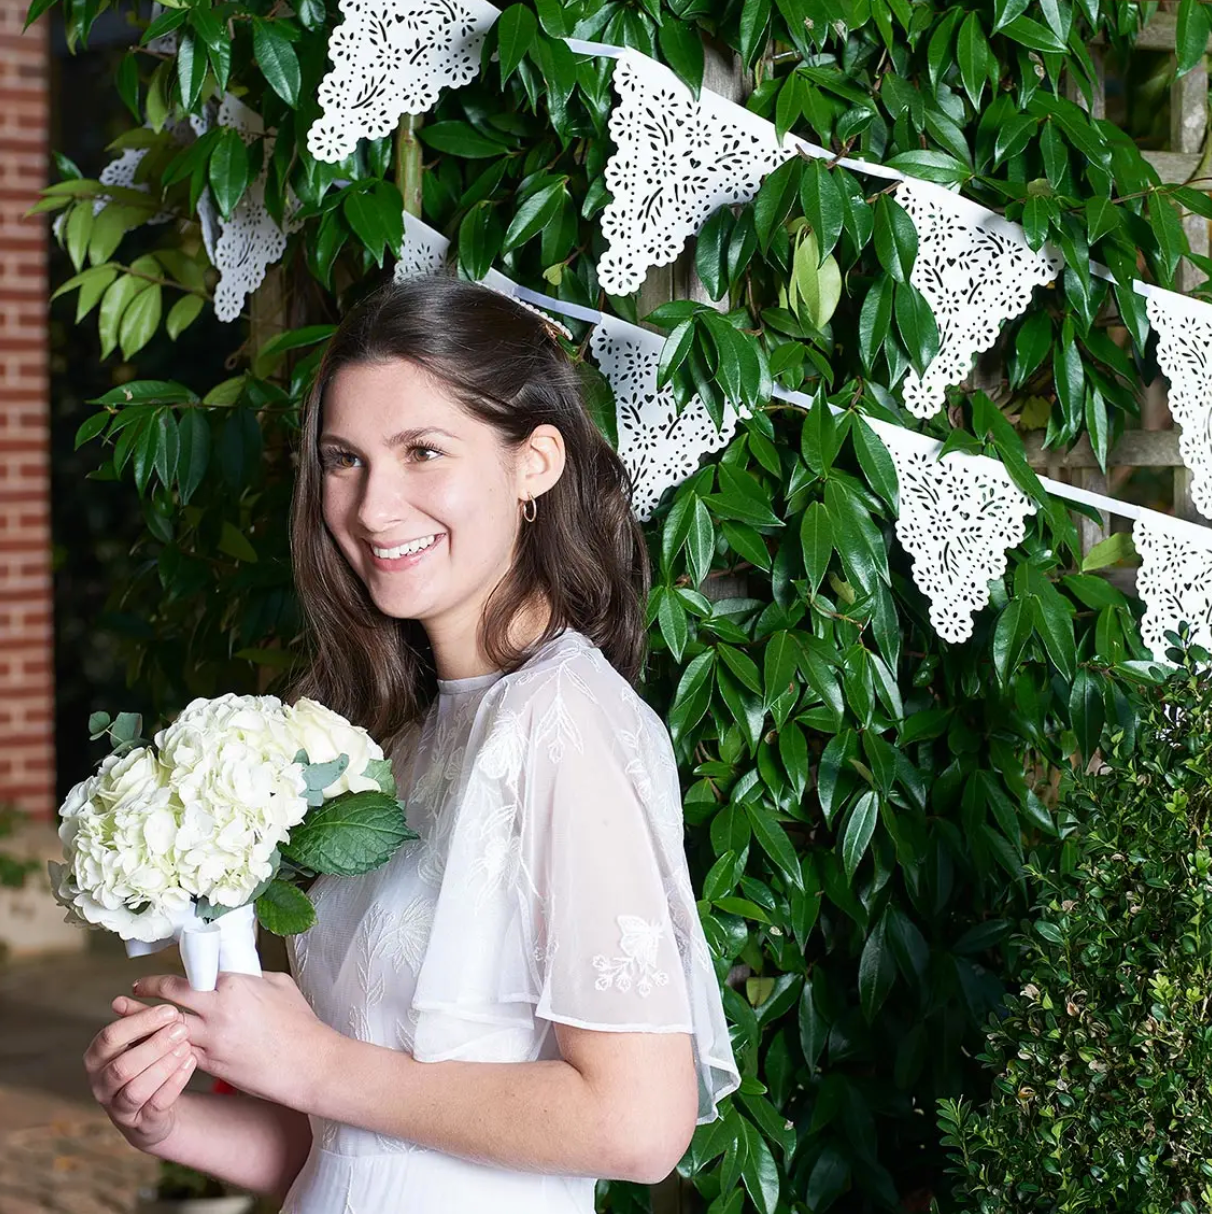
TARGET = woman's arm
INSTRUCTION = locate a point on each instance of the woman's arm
(618, 1105)
(251, 1143)
(138, 1066)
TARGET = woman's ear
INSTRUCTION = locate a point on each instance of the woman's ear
(540, 462)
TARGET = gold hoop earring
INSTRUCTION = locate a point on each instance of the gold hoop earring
(534, 509)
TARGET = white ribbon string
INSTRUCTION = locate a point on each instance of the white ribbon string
(602, 49)
(226, 945)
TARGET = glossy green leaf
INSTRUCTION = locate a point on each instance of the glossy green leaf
(277, 60)
(860, 826)
(972, 49)
(895, 238)
(682, 48)
(823, 208)
(516, 28)
(877, 970)
(1191, 34)
(228, 170)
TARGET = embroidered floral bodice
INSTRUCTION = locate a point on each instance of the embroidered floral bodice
(549, 884)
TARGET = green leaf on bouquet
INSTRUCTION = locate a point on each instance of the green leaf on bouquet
(380, 771)
(209, 911)
(98, 723)
(127, 727)
(321, 775)
(351, 834)
(285, 909)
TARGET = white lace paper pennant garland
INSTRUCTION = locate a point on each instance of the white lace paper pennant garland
(660, 447)
(250, 241)
(976, 271)
(1184, 353)
(424, 252)
(1174, 581)
(958, 518)
(121, 172)
(391, 57)
(676, 161)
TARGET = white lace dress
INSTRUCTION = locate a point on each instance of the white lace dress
(549, 884)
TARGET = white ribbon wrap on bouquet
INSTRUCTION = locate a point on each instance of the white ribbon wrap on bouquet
(225, 945)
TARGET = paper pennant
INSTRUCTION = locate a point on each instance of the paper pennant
(392, 57)
(1174, 581)
(958, 518)
(1184, 353)
(976, 271)
(660, 446)
(250, 241)
(676, 161)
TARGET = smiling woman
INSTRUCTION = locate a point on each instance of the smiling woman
(522, 999)
(444, 407)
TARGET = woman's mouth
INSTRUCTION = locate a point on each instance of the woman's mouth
(405, 556)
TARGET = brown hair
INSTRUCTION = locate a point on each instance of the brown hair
(584, 555)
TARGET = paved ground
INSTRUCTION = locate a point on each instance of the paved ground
(58, 1152)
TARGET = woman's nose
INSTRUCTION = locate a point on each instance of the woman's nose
(381, 501)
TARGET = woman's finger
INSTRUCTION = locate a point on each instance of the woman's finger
(132, 1062)
(121, 1034)
(124, 1005)
(164, 1096)
(128, 1101)
(176, 990)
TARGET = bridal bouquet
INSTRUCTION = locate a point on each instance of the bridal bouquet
(205, 831)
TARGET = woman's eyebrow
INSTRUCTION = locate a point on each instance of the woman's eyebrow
(401, 439)
(411, 436)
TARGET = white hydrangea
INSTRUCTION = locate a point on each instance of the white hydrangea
(151, 832)
(231, 767)
(325, 734)
(118, 833)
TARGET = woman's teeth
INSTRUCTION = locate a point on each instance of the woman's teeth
(391, 554)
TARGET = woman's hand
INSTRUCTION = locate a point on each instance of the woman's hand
(257, 1033)
(137, 1068)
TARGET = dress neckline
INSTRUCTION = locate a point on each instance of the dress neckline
(479, 682)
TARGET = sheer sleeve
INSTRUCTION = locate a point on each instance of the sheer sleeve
(618, 945)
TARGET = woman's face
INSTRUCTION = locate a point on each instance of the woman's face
(420, 496)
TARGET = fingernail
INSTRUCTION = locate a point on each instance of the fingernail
(134, 986)
(180, 1050)
(166, 1011)
(188, 1064)
(177, 1033)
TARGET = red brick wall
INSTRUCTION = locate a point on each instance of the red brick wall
(27, 775)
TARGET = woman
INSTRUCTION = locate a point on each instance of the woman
(523, 999)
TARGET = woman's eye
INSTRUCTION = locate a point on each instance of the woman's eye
(333, 457)
(431, 450)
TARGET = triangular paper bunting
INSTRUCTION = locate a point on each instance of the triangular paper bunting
(976, 271)
(1184, 353)
(1174, 581)
(676, 161)
(660, 447)
(393, 57)
(959, 516)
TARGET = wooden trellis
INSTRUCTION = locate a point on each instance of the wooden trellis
(1155, 444)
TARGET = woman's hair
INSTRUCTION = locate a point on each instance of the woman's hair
(584, 554)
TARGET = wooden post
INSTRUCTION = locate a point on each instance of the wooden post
(408, 163)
